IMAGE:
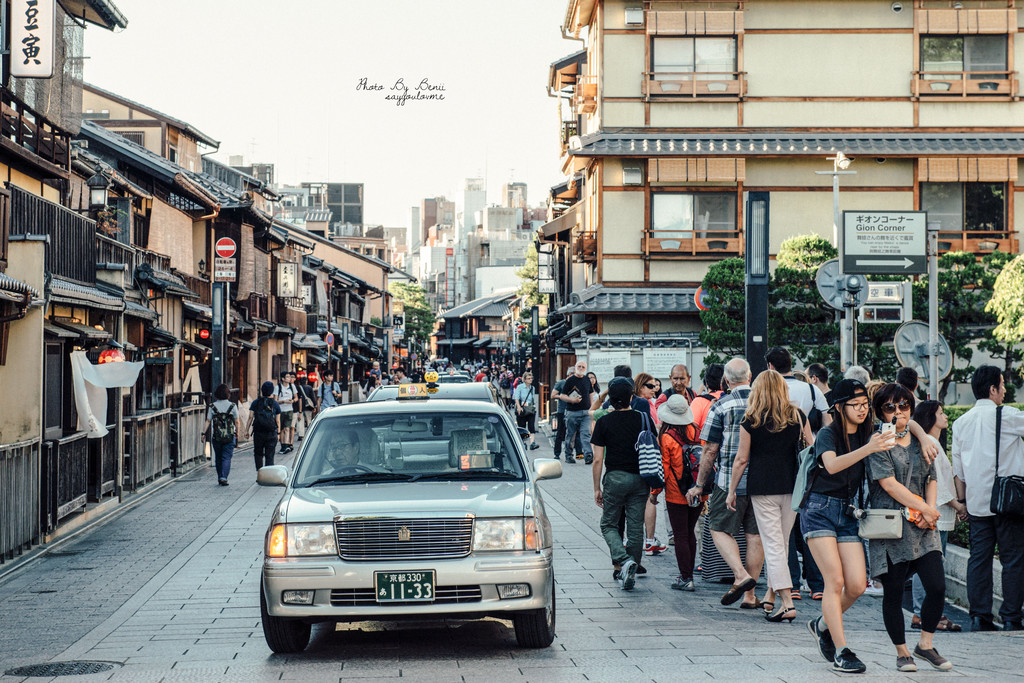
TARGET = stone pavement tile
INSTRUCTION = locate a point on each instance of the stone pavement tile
(635, 643)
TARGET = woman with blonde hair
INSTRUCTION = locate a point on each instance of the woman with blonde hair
(771, 433)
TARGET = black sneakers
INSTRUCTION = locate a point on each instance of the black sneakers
(825, 645)
(846, 662)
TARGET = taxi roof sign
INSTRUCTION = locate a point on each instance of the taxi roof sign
(412, 391)
(431, 376)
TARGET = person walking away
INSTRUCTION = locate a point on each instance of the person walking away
(771, 433)
(307, 407)
(644, 386)
(578, 397)
(908, 377)
(901, 479)
(974, 463)
(827, 519)
(505, 378)
(714, 387)
(930, 416)
(680, 456)
(222, 415)
(525, 397)
(620, 492)
(721, 435)
(263, 425)
(328, 394)
(817, 376)
(679, 377)
(286, 395)
(556, 394)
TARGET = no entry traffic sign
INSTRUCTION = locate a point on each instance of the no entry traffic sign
(225, 247)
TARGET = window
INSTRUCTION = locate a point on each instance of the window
(946, 56)
(681, 58)
(678, 215)
(977, 207)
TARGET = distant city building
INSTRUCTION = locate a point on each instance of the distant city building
(514, 195)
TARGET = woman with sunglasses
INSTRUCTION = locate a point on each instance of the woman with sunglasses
(643, 387)
(827, 521)
(900, 478)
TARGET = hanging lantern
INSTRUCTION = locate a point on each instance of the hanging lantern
(313, 377)
(111, 356)
(301, 374)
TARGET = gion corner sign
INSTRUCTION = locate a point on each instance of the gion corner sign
(885, 242)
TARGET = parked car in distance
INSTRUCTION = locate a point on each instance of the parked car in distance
(456, 378)
(406, 509)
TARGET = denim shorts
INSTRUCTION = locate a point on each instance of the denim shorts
(827, 516)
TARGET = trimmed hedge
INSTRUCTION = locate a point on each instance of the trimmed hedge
(960, 535)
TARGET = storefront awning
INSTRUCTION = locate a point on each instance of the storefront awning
(52, 330)
(308, 341)
(482, 342)
(314, 357)
(86, 332)
(136, 310)
(197, 311)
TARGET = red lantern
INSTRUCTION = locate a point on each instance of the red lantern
(301, 374)
(313, 377)
(111, 356)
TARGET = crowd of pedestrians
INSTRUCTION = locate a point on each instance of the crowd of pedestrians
(875, 503)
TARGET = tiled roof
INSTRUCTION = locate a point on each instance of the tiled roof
(139, 311)
(784, 143)
(66, 291)
(9, 284)
(491, 306)
(601, 299)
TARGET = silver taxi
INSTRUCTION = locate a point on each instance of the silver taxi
(416, 508)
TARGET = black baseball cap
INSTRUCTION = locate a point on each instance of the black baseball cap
(846, 389)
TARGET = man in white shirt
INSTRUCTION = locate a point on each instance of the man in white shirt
(974, 465)
(801, 394)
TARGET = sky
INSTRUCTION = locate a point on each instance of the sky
(279, 82)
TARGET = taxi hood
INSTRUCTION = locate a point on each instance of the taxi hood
(401, 499)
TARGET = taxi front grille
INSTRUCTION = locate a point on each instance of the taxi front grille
(443, 595)
(403, 539)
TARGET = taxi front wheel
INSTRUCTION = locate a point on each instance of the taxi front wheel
(283, 635)
(536, 628)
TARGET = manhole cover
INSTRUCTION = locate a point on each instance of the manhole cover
(60, 669)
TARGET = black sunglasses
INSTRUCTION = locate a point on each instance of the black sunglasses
(651, 385)
(891, 407)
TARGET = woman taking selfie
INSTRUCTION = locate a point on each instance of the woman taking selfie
(827, 521)
(900, 478)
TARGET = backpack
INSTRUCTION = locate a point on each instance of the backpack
(223, 426)
(807, 470)
(691, 463)
(649, 455)
(505, 382)
(814, 416)
(264, 415)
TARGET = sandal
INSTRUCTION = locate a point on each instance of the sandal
(757, 604)
(767, 606)
(817, 595)
(795, 594)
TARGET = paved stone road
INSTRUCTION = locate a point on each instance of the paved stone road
(169, 591)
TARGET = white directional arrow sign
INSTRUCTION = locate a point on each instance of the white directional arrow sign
(887, 263)
(884, 242)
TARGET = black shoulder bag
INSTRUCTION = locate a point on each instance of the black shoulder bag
(1007, 492)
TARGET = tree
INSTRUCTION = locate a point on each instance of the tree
(797, 316)
(726, 302)
(1007, 306)
(419, 318)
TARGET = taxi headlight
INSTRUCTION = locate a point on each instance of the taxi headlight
(515, 533)
(292, 540)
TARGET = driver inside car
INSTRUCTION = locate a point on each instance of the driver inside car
(343, 450)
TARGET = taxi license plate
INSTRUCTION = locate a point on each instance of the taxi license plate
(417, 586)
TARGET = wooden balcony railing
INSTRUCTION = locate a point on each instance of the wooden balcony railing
(199, 285)
(71, 253)
(976, 241)
(258, 307)
(147, 447)
(22, 125)
(584, 98)
(688, 84)
(103, 464)
(64, 476)
(690, 243)
(157, 261)
(584, 248)
(569, 129)
(109, 250)
(965, 83)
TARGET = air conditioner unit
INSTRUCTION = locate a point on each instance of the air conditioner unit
(632, 176)
(634, 16)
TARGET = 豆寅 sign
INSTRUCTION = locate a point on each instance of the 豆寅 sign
(32, 38)
(885, 242)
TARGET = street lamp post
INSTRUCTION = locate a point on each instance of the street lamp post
(847, 331)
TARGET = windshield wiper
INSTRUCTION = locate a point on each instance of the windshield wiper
(362, 478)
(468, 474)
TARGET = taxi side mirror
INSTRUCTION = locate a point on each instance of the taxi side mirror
(272, 475)
(547, 468)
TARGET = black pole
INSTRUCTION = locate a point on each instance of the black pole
(756, 317)
(219, 303)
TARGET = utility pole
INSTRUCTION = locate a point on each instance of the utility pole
(848, 328)
(756, 283)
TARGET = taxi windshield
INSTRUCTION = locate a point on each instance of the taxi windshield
(435, 446)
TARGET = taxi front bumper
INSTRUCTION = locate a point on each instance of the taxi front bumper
(344, 591)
